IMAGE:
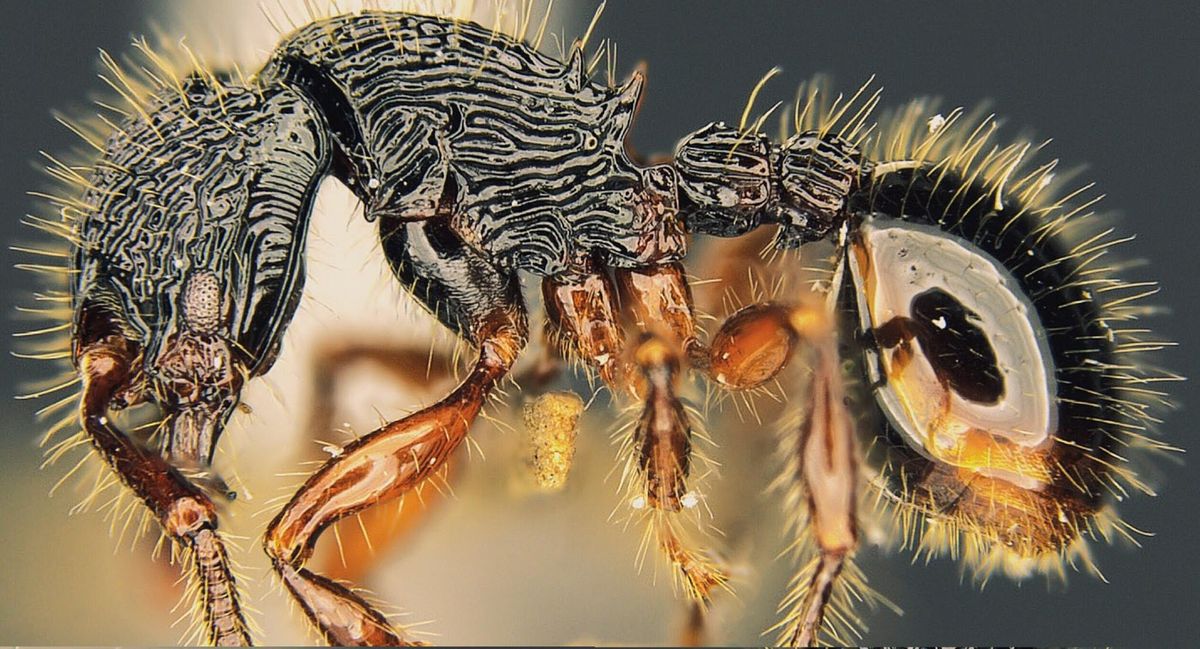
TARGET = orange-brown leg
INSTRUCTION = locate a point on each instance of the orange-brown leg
(185, 513)
(411, 366)
(581, 309)
(662, 451)
(751, 348)
(585, 318)
(828, 466)
(381, 466)
(659, 299)
(374, 531)
(656, 301)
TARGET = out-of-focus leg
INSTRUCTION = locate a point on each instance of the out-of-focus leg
(751, 348)
(829, 474)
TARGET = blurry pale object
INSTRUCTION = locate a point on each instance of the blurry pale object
(551, 425)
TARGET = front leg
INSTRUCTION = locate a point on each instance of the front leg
(482, 304)
(186, 514)
(412, 366)
(377, 467)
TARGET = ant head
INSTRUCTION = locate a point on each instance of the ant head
(184, 231)
(198, 182)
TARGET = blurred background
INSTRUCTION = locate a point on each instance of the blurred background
(1114, 84)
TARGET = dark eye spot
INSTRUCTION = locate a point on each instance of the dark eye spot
(956, 347)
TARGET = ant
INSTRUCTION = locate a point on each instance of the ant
(989, 350)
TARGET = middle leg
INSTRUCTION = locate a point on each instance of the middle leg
(586, 318)
(751, 348)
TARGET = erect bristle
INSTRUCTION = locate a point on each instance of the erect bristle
(742, 122)
(581, 43)
(816, 108)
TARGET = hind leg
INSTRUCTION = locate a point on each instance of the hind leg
(751, 348)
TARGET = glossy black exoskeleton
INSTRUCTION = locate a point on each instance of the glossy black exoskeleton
(990, 364)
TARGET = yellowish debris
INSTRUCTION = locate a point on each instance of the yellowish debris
(551, 425)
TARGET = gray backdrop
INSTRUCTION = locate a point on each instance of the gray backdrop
(1113, 83)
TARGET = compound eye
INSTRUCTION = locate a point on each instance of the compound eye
(961, 362)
